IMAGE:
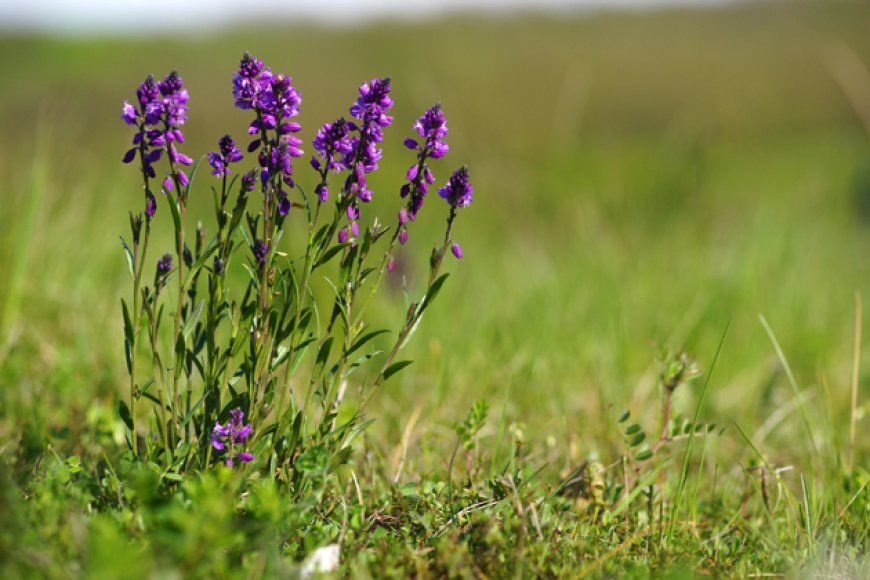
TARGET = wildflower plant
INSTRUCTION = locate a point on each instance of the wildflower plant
(255, 373)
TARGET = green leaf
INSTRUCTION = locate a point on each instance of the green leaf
(433, 291)
(190, 323)
(395, 367)
(126, 416)
(364, 339)
(323, 355)
(129, 255)
(128, 322)
(624, 417)
(173, 208)
(632, 429)
(330, 253)
(643, 455)
(637, 439)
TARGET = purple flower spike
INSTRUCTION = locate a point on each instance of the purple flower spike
(228, 437)
(227, 153)
(261, 250)
(432, 126)
(458, 190)
(162, 109)
(333, 144)
(457, 250)
(371, 110)
(164, 264)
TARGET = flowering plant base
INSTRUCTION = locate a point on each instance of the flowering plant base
(205, 355)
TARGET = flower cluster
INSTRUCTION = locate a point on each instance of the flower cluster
(458, 190)
(275, 101)
(371, 110)
(334, 144)
(160, 112)
(457, 193)
(227, 153)
(228, 437)
(432, 127)
(164, 265)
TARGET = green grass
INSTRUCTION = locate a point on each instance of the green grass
(642, 181)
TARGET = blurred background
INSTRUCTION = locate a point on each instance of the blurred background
(645, 172)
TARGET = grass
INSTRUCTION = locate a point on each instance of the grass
(643, 181)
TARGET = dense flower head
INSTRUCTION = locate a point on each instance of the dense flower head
(162, 110)
(175, 99)
(432, 126)
(333, 143)
(272, 96)
(370, 109)
(164, 264)
(227, 153)
(373, 103)
(234, 433)
(246, 85)
(458, 190)
(260, 250)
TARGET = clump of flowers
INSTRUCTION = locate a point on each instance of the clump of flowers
(268, 348)
(231, 437)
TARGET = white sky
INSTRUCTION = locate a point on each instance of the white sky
(121, 16)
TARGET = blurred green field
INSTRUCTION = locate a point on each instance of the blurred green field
(641, 180)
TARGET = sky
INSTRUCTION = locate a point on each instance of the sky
(126, 16)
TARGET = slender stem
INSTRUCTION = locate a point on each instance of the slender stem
(414, 312)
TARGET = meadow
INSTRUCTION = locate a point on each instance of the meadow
(668, 181)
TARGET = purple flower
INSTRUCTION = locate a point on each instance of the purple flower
(174, 103)
(333, 143)
(458, 190)
(234, 433)
(403, 237)
(432, 126)
(128, 113)
(279, 161)
(162, 110)
(283, 204)
(249, 181)
(391, 265)
(322, 192)
(261, 250)
(246, 84)
(164, 265)
(371, 110)
(457, 250)
(227, 153)
(150, 205)
(272, 96)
